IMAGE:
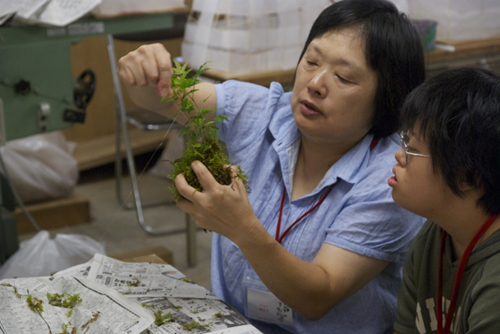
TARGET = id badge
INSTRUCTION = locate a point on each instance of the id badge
(264, 306)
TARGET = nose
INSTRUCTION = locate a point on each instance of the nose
(400, 156)
(317, 85)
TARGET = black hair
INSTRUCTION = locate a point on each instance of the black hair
(393, 49)
(458, 115)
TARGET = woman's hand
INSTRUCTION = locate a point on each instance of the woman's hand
(147, 74)
(148, 65)
(222, 209)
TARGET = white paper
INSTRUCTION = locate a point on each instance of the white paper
(100, 311)
(28, 8)
(62, 12)
(216, 315)
(144, 279)
(119, 307)
(48, 12)
(8, 7)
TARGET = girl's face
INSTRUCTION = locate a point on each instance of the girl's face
(334, 92)
(415, 185)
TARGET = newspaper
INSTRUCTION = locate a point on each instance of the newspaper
(167, 302)
(207, 316)
(99, 309)
(144, 279)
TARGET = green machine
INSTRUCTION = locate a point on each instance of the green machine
(38, 92)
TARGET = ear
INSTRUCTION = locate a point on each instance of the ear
(472, 187)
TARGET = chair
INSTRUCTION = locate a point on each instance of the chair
(146, 121)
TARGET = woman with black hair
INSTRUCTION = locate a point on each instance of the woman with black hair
(318, 244)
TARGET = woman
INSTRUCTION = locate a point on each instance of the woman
(323, 153)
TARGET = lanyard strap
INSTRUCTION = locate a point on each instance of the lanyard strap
(458, 277)
(278, 227)
(279, 238)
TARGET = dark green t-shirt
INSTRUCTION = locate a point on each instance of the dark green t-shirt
(478, 304)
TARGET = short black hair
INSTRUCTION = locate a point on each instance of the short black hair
(393, 49)
(458, 115)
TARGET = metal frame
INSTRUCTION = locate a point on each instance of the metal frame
(123, 134)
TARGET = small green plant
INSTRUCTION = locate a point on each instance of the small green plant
(161, 319)
(64, 300)
(34, 304)
(18, 295)
(135, 282)
(94, 318)
(68, 329)
(202, 141)
(195, 325)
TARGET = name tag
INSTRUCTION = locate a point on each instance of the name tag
(264, 306)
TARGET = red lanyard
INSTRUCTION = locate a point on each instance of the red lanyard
(458, 277)
(280, 238)
(278, 227)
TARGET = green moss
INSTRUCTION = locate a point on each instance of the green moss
(18, 295)
(161, 319)
(195, 325)
(68, 329)
(202, 140)
(94, 318)
(135, 282)
(34, 304)
(63, 299)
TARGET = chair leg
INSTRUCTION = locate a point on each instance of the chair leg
(192, 250)
(122, 131)
(118, 163)
(118, 160)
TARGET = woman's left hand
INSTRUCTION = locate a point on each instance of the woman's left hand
(222, 209)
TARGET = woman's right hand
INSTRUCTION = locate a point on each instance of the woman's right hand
(146, 67)
(147, 74)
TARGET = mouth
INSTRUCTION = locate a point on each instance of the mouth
(392, 181)
(309, 109)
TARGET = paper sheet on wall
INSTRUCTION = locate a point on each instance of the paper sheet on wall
(62, 12)
(22, 8)
(46, 12)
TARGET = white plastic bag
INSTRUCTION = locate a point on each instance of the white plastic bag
(41, 167)
(41, 256)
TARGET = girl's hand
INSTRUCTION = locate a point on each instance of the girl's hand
(222, 209)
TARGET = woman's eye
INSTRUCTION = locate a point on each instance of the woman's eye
(344, 80)
(310, 63)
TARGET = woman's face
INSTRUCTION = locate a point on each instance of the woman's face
(334, 92)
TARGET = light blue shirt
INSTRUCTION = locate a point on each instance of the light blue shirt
(358, 215)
